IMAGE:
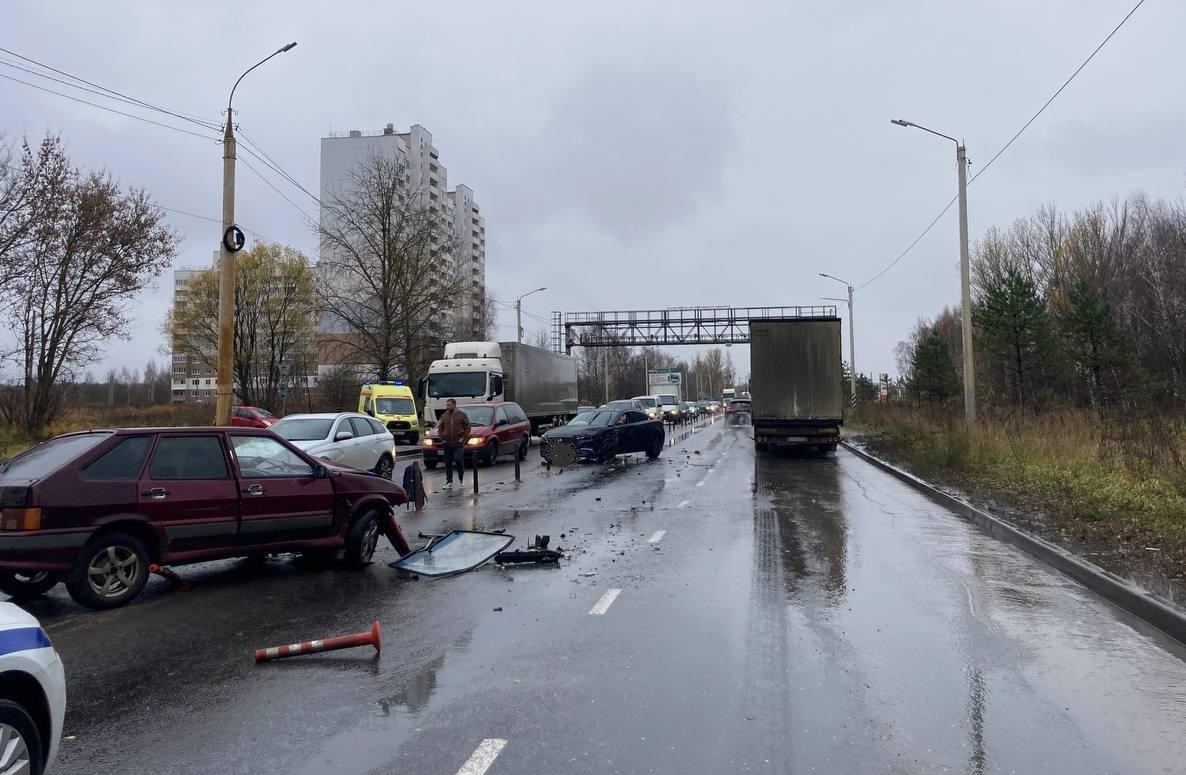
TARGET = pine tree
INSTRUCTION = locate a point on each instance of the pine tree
(935, 378)
(1012, 321)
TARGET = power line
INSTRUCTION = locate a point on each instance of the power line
(1060, 88)
(124, 97)
(308, 217)
(30, 71)
(111, 110)
(1004, 148)
(909, 247)
(211, 220)
(267, 160)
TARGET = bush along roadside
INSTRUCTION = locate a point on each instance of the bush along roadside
(1111, 489)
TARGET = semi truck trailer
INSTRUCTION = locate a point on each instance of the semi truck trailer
(795, 383)
(541, 382)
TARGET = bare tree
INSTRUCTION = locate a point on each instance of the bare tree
(71, 286)
(388, 278)
(274, 323)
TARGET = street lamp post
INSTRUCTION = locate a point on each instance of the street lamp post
(961, 158)
(852, 339)
(226, 261)
(519, 314)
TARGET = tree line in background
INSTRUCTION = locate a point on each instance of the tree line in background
(75, 250)
(1084, 309)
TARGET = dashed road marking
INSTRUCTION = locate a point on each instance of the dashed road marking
(605, 602)
(683, 504)
(657, 537)
(483, 757)
(700, 483)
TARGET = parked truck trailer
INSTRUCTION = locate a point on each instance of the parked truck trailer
(795, 383)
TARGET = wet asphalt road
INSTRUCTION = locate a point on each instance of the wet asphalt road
(795, 615)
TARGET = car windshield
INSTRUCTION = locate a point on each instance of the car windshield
(619, 405)
(262, 414)
(395, 406)
(303, 428)
(457, 383)
(646, 401)
(668, 399)
(593, 419)
(48, 456)
(479, 416)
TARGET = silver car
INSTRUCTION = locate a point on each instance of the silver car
(345, 439)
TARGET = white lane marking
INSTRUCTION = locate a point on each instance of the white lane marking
(657, 537)
(605, 602)
(683, 504)
(700, 483)
(483, 757)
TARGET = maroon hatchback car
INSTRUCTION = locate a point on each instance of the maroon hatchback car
(94, 509)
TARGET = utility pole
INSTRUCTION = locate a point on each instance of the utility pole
(961, 155)
(519, 314)
(852, 352)
(961, 159)
(852, 341)
(607, 375)
(224, 395)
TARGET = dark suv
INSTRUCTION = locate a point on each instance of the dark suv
(96, 508)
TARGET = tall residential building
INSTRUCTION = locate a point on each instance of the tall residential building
(192, 379)
(427, 178)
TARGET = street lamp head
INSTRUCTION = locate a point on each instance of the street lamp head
(900, 122)
(287, 48)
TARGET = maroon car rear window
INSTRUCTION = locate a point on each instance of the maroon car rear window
(49, 456)
(123, 461)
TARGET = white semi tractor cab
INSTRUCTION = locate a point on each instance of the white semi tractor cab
(541, 382)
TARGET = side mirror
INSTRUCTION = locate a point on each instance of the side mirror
(320, 472)
(370, 411)
(343, 436)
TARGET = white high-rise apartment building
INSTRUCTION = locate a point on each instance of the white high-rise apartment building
(193, 380)
(459, 213)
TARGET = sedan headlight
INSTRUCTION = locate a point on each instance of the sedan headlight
(429, 442)
(476, 441)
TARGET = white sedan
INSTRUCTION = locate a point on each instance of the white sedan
(32, 694)
(346, 439)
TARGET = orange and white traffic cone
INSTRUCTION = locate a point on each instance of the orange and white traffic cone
(368, 638)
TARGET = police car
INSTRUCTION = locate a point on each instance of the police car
(32, 694)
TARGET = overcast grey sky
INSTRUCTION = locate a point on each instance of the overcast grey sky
(641, 155)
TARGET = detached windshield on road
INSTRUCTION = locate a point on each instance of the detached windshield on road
(303, 428)
(469, 384)
(395, 406)
(48, 456)
(593, 419)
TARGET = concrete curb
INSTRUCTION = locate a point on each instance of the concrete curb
(1120, 592)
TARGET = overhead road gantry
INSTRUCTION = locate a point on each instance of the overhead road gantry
(670, 326)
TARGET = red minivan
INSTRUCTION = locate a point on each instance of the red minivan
(95, 508)
(497, 429)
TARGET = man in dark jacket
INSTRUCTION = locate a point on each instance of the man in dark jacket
(453, 430)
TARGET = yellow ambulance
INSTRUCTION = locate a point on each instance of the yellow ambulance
(393, 404)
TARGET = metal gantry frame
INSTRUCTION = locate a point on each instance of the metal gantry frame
(670, 326)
